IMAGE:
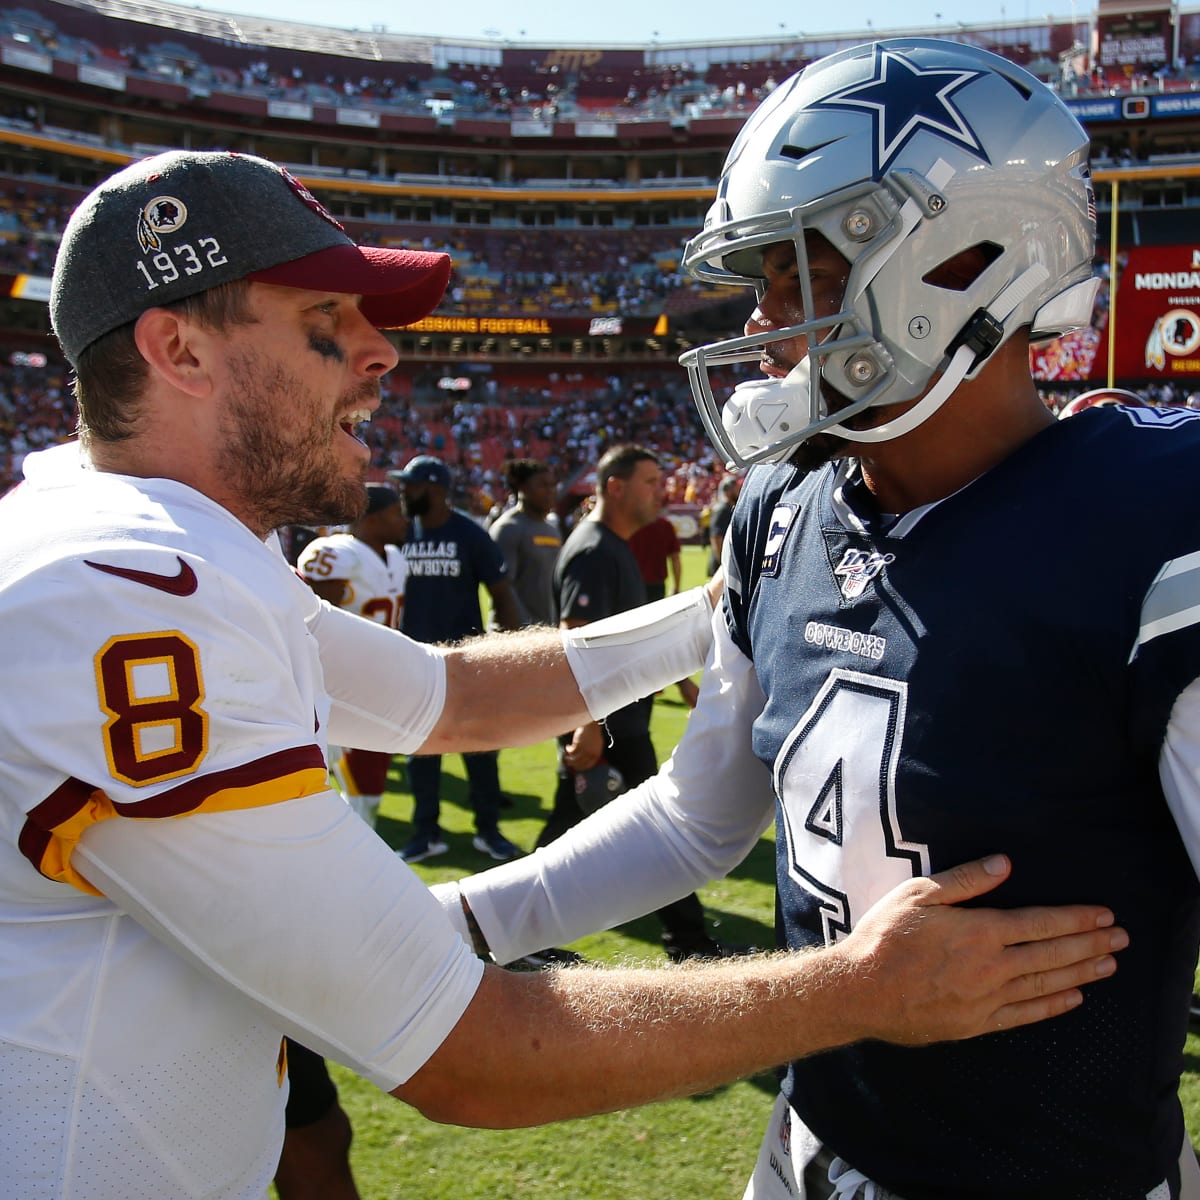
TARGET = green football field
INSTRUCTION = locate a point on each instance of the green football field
(697, 1149)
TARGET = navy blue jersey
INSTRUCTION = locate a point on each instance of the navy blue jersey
(446, 566)
(992, 673)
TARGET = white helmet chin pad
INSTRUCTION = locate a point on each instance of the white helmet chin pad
(763, 413)
(954, 185)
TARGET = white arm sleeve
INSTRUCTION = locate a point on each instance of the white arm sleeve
(622, 658)
(693, 822)
(1179, 769)
(387, 691)
(306, 913)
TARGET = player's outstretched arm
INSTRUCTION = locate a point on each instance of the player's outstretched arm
(508, 689)
(566, 678)
(552, 1045)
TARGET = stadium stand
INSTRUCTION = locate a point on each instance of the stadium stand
(562, 180)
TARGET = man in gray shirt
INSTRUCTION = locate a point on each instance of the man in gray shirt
(529, 539)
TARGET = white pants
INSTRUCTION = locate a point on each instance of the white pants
(789, 1146)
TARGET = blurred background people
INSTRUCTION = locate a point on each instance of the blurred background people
(598, 576)
(529, 538)
(718, 522)
(658, 552)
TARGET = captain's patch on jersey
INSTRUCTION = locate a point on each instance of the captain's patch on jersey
(781, 522)
(858, 568)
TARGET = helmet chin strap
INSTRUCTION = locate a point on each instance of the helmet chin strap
(924, 408)
(971, 353)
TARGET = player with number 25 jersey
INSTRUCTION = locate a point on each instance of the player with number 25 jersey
(374, 586)
(369, 580)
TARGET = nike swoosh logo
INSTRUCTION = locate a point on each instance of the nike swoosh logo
(183, 584)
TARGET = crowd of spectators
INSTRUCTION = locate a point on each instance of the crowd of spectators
(566, 418)
(568, 421)
(629, 272)
(542, 89)
(568, 424)
(36, 410)
(1181, 75)
(537, 90)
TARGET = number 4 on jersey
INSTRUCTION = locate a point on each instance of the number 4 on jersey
(835, 779)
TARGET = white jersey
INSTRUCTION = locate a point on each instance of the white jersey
(374, 585)
(178, 885)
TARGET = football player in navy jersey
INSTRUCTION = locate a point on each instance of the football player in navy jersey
(916, 663)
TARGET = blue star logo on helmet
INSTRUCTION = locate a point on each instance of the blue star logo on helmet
(904, 99)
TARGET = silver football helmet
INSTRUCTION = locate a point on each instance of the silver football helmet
(902, 154)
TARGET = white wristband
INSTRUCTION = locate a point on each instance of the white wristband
(622, 658)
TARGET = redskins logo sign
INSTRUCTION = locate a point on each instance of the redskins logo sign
(1175, 333)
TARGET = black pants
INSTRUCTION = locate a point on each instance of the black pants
(633, 756)
(311, 1092)
(483, 791)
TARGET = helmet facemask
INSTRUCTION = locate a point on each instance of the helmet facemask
(765, 418)
(1005, 189)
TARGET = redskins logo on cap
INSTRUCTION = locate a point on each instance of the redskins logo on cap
(164, 214)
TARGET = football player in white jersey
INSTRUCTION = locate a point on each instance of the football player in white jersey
(919, 656)
(362, 571)
(179, 885)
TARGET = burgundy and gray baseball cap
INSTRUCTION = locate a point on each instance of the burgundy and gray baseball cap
(179, 223)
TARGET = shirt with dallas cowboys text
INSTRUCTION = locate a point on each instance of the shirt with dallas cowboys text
(995, 672)
(447, 565)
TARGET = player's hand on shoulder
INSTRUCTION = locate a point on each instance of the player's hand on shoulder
(938, 972)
